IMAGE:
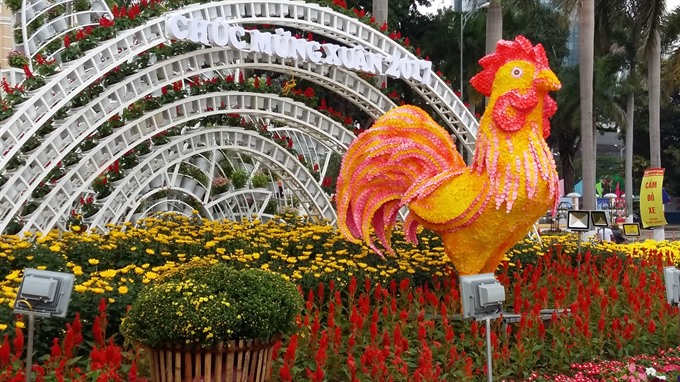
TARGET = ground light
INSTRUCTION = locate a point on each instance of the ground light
(42, 294)
(482, 298)
(672, 277)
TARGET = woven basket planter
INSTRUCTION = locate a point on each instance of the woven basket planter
(233, 361)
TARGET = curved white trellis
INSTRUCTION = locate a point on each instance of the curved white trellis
(151, 173)
(78, 75)
(84, 120)
(111, 148)
(146, 82)
(57, 27)
(223, 208)
(308, 17)
(152, 122)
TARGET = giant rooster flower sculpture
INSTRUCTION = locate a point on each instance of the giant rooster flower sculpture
(480, 210)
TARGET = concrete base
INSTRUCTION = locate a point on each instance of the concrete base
(659, 233)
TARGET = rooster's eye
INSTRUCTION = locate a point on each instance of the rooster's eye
(516, 72)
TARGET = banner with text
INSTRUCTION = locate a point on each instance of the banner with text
(651, 198)
(282, 44)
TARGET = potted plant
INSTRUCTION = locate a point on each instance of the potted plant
(144, 148)
(55, 11)
(101, 186)
(5, 109)
(160, 138)
(71, 158)
(29, 208)
(85, 39)
(220, 185)
(16, 161)
(71, 51)
(114, 173)
(13, 94)
(129, 160)
(32, 82)
(75, 221)
(17, 59)
(40, 191)
(215, 316)
(18, 35)
(57, 22)
(260, 180)
(239, 179)
(14, 227)
(45, 67)
(89, 143)
(31, 144)
(105, 30)
(56, 173)
(81, 5)
(87, 206)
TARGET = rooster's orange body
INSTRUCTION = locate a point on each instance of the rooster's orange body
(480, 211)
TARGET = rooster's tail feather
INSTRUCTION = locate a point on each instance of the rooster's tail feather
(386, 167)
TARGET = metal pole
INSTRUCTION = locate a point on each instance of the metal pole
(489, 356)
(29, 350)
(461, 52)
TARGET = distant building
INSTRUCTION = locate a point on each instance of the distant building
(6, 34)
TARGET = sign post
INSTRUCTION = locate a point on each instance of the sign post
(651, 202)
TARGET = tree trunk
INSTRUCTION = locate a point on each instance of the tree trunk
(567, 162)
(494, 28)
(494, 25)
(380, 14)
(380, 11)
(630, 110)
(654, 83)
(586, 63)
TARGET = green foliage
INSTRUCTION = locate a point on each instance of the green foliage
(239, 179)
(260, 180)
(208, 304)
(13, 5)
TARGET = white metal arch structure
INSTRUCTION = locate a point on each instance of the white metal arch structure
(58, 26)
(117, 97)
(80, 176)
(145, 82)
(84, 122)
(76, 76)
(154, 168)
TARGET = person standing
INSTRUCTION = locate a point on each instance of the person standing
(617, 235)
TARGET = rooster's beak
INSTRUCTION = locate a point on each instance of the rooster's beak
(547, 81)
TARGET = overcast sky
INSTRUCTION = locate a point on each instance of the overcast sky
(671, 4)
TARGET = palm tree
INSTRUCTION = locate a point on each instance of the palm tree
(586, 56)
(650, 17)
(586, 61)
(494, 25)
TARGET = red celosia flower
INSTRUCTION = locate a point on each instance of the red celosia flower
(5, 351)
(55, 350)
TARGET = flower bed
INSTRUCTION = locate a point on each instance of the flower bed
(375, 319)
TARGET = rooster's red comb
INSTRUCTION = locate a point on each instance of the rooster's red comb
(506, 51)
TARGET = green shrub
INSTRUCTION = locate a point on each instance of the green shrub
(260, 180)
(239, 179)
(205, 304)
